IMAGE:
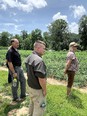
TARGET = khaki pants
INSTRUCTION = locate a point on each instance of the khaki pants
(37, 102)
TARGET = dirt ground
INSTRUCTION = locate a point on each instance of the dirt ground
(54, 81)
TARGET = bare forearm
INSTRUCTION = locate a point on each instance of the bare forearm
(43, 84)
(11, 67)
(67, 65)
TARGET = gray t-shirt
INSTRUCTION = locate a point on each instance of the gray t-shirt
(35, 68)
(74, 63)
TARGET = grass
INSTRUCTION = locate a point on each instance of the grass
(55, 62)
(59, 105)
(57, 102)
(5, 90)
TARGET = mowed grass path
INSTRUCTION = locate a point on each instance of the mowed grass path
(57, 102)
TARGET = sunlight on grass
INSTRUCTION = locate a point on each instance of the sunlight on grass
(57, 102)
(59, 105)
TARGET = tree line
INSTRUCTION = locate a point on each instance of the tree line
(57, 37)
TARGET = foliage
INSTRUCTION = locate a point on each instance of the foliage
(56, 38)
(74, 37)
(26, 44)
(83, 31)
(47, 40)
(59, 34)
(5, 38)
(24, 34)
(55, 62)
(2, 57)
(35, 35)
(3, 48)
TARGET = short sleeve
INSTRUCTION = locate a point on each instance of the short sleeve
(40, 70)
(9, 56)
(70, 56)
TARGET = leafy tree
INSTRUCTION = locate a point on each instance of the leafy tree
(5, 38)
(24, 34)
(83, 31)
(47, 39)
(26, 44)
(35, 35)
(74, 37)
(59, 34)
(20, 40)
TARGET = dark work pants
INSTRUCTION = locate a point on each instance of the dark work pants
(71, 75)
(9, 77)
(22, 81)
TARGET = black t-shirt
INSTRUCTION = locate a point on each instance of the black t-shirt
(13, 56)
(35, 68)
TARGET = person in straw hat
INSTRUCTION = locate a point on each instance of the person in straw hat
(71, 65)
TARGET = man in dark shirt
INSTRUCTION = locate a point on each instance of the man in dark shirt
(36, 72)
(14, 63)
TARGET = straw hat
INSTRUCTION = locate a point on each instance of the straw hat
(73, 44)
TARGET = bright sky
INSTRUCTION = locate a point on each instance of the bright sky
(18, 15)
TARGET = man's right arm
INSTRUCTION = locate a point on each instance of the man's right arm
(12, 69)
(67, 66)
(9, 61)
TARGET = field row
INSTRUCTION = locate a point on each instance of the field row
(55, 62)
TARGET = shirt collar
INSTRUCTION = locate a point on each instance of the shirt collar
(34, 52)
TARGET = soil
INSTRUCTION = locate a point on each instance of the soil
(53, 81)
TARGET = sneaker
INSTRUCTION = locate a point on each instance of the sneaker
(16, 100)
(23, 97)
(27, 94)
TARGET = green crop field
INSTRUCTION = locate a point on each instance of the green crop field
(55, 62)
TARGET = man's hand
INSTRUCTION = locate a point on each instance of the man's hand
(12, 69)
(15, 75)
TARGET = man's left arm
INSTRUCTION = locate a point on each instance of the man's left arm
(42, 82)
(40, 72)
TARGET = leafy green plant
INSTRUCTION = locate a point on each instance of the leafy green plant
(55, 62)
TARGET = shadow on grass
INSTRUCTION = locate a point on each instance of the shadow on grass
(6, 84)
(75, 101)
(10, 107)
